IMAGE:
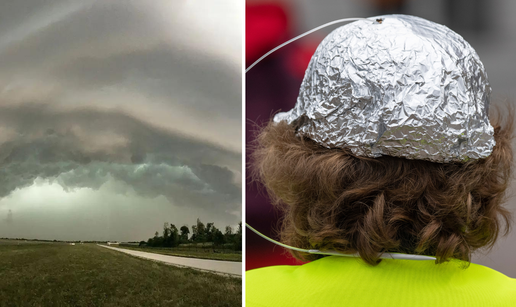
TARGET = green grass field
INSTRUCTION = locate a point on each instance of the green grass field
(190, 253)
(90, 275)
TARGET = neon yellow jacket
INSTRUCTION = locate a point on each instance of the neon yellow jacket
(342, 281)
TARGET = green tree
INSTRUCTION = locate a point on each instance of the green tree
(218, 238)
(229, 231)
(238, 238)
(156, 241)
(210, 228)
(174, 236)
(194, 233)
(201, 232)
(228, 235)
(166, 232)
(184, 234)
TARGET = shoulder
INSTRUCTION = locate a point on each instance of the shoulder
(497, 287)
(338, 282)
(269, 286)
(318, 282)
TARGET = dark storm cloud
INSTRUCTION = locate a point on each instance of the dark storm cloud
(11, 15)
(194, 79)
(220, 178)
(136, 97)
(156, 67)
(72, 25)
(65, 145)
(77, 135)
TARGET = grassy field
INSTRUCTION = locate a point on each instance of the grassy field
(90, 275)
(20, 242)
(191, 253)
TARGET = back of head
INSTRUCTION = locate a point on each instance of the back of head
(389, 147)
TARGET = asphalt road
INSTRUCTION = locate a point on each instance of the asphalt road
(218, 266)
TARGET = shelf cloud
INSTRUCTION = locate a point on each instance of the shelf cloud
(141, 100)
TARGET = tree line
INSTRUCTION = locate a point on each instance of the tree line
(200, 233)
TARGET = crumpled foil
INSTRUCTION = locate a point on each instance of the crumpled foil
(396, 85)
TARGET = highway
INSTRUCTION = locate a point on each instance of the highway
(217, 266)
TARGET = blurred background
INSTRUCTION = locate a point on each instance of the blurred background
(489, 26)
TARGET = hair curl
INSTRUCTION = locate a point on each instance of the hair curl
(333, 200)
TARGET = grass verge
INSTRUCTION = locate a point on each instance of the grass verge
(90, 275)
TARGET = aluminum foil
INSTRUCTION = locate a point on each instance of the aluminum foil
(396, 85)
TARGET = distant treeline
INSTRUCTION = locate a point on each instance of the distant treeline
(201, 233)
(37, 240)
(55, 241)
(50, 241)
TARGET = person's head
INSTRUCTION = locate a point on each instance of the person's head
(334, 200)
(389, 147)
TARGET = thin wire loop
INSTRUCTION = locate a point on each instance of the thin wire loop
(335, 253)
(302, 35)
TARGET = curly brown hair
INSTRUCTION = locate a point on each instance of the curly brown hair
(333, 200)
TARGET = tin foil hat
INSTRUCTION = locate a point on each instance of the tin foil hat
(396, 85)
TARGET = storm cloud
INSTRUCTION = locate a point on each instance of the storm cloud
(146, 95)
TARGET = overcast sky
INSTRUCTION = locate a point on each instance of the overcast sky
(118, 116)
